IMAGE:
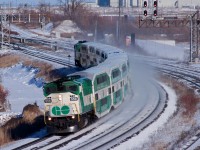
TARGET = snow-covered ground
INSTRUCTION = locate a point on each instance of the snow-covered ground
(164, 50)
(46, 30)
(23, 87)
(137, 141)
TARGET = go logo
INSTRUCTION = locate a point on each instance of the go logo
(64, 110)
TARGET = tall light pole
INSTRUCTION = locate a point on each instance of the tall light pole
(118, 22)
(191, 26)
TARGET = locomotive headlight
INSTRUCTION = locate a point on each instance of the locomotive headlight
(73, 117)
(60, 97)
(49, 118)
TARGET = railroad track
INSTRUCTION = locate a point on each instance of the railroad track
(119, 137)
(192, 77)
(45, 56)
(131, 126)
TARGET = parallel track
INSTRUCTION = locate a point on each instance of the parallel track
(177, 72)
(36, 53)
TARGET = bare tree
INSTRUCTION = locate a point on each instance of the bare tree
(71, 8)
(44, 8)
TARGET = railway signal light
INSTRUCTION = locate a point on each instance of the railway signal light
(155, 3)
(145, 13)
(145, 3)
(155, 12)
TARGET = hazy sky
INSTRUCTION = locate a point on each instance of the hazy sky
(31, 2)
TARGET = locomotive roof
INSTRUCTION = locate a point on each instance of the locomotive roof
(116, 57)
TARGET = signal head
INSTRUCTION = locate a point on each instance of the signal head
(145, 3)
(145, 13)
(155, 3)
(155, 12)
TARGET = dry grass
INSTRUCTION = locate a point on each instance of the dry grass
(18, 128)
(9, 60)
(30, 112)
(3, 95)
(45, 69)
(187, 100)
(182, 124)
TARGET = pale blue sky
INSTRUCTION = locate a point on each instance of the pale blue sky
(32, 2)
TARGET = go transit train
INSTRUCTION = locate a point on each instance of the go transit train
(72, 102)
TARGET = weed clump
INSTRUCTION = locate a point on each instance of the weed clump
(18, 128)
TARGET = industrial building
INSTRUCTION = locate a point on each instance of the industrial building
(139, 3)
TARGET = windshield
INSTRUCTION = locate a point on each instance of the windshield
(72, 88)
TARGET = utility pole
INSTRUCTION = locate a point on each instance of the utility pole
(5, 25)
(194, 37)
(118, 22)
(95, 31)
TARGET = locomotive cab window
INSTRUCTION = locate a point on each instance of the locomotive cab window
(50, 88)
(72, 88)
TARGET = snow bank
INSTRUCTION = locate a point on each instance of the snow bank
(162, 50)
(137, 141)
(67, 26)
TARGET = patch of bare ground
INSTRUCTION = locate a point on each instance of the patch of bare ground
(182, 124)
(3, 95)
(18, 128)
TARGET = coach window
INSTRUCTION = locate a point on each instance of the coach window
(84, 49)
(124, 70)
(96, 96)
(128, 64)
(91, 49)
(97, 52)
(115, 73)
(121, 83)
(117, 94)
(106, 56)
(113, 89)
(92, 63)
(83, 60)
(102, 55)
(103, 101)
(109, 90)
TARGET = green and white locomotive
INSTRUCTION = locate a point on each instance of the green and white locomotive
(73, 101)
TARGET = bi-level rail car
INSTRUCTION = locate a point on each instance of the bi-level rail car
(73, 101)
